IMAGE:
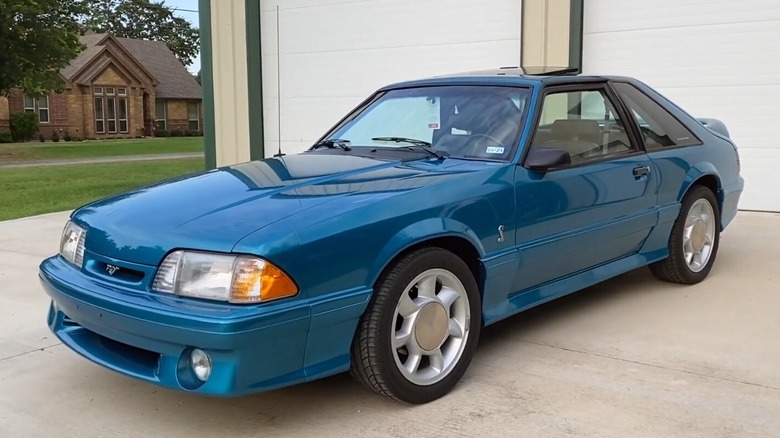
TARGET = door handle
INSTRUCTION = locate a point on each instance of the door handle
(641, 171)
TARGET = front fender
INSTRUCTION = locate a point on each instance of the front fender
(420, 232)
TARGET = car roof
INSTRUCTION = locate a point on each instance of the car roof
(508, 76)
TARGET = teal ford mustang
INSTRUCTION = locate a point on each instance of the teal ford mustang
(433, 209)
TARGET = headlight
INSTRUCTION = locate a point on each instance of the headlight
(237, 279)
(72, 243)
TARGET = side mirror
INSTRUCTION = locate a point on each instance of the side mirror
(543, 159)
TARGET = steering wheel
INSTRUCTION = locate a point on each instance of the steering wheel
(475, 149)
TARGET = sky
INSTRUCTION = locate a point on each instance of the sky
(183, 9)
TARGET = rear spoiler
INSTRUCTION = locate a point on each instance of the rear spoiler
(715, 125)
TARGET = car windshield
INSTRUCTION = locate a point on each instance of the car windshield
(477, 122)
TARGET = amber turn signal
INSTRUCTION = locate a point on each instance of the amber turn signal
(256, 280)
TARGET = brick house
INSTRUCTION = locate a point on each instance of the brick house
(116, 87)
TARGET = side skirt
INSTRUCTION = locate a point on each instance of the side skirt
(524, 300)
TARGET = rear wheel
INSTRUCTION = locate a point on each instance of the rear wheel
(693, 243)
(421, 328)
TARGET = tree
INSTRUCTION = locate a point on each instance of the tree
(144, 19)
(37, 39)
(197, 77)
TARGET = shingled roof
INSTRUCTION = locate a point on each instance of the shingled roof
(174, 80)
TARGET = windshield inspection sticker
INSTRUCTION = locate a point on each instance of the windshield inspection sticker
(494, 150)
(434, 115)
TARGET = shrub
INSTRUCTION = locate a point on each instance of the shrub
(5, 137)
(42, 138)
(67, 136)
(162, 133)
(55, 137)
(177, 133)
(24, 126)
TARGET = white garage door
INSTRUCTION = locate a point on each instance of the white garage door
(717, 59)
(335, 53)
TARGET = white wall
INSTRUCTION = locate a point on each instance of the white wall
(716, 59)
(335, 53)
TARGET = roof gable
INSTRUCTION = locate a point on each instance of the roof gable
(103, 63)
(152, 63)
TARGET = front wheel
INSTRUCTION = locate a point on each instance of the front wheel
(693, 243)
(421, 328)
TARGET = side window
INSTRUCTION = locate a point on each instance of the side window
(584, 123)
(659, 128)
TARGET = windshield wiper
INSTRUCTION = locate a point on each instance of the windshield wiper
(419, 145)
(413, 141)
(333, 143)
(429, 151)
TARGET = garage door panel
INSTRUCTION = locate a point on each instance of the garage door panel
(622, 15)
(337, 26)
(335, 53)
(725, 51)
(353, 73)
(318, 89)
(758, 169)
(715, 59)
(304, 119)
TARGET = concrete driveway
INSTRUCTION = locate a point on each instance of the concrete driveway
(630, 357)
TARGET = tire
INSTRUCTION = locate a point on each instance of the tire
(388, 344)
(677, 268)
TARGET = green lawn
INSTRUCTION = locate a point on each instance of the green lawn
(36, 190)
(36, 151)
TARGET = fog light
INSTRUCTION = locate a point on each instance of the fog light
(200, 362)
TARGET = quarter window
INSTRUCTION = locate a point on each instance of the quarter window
(584, 123)
(659, 128)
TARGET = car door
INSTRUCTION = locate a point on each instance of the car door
(599, 208)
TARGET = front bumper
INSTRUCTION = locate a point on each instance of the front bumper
(149, 337)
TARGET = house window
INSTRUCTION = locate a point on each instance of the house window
(193, 114)
(159, 106)
(100, 124)
(39, 105)
(122, 110)
(111, 110)
(111, 113)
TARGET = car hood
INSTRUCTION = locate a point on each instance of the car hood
(216, 209)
